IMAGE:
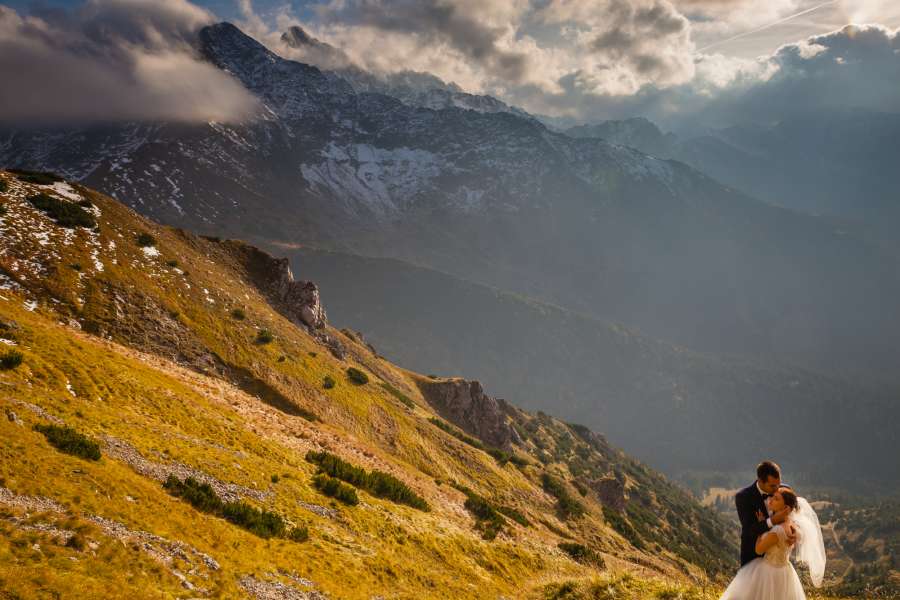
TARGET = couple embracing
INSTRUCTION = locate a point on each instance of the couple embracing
(774, 523)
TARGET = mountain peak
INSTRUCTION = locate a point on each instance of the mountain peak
(296, 36)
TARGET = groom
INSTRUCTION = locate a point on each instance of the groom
(751, 507)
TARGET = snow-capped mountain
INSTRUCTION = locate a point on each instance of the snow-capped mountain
(498, 198)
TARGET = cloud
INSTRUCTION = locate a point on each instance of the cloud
(113, 60)
(856, 67)
(471, 30)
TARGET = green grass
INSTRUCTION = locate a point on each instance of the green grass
(63, 213)
(264, 336)
(66, 439)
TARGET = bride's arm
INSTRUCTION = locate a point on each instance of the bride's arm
(766, 541)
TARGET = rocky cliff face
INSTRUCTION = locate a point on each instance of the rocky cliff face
(465, 404)
(297, 300)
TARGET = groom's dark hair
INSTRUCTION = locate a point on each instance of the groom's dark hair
(767, 469)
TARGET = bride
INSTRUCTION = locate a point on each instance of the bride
(772, 576)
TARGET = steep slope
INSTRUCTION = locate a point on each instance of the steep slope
(499, 199)
(679, 410)
(191, 357)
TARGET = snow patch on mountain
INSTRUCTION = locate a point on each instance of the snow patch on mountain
(381, 180)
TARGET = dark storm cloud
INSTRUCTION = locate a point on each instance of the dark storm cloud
(857, 67)
(437, 22)
(113, 60)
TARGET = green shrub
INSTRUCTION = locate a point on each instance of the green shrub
(172, 263)
(622, 526)
(328, 382)
(238, 314)
(199, 495)
(566, 505)
(203, 497)
(264, 336)
(377, 483)
(335, 489)
(3, 210)
(356, 376)
(10, 360)
(403, 398)
(487, 517)
(36, 177)
(85, 203)
(77, 542)
(63, 213)
(514, 515)
(66, 439)
(299, 534)
(263, 523)
(275, 478)
(3, 186)
(75, 266)
(581, 553)
(145, 240)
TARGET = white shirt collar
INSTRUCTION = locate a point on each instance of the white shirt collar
(762, 493)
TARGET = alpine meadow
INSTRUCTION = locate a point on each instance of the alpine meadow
(408, 299)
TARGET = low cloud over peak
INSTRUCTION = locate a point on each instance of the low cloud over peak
(113, 60)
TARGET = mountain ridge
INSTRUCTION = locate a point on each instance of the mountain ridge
(94, 312)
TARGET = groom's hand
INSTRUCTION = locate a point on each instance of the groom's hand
(760, 516)
(781, 515)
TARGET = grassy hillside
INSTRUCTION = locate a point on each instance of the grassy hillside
(170, 433)
(680, 410)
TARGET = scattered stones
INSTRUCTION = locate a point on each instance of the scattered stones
(169, 553)
(13, 417)
(263, 590)
(29, 503)
(319, 510)
(40, 412)
(125, 452)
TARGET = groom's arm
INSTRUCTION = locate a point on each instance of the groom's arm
(747, 516)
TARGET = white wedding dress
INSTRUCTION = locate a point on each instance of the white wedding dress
(772, 577)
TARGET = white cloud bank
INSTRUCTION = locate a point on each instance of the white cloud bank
(113, 60)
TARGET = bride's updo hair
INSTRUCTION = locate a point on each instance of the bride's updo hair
(789, 497)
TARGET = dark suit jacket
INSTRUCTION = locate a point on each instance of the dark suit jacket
(748, 501)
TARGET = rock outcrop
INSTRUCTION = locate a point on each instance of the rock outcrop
(465, 404)
(299, 301)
